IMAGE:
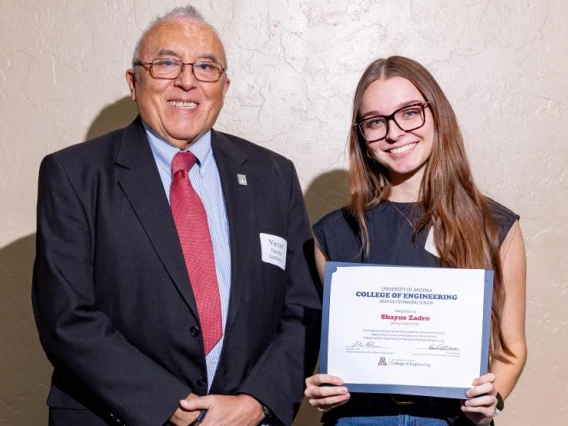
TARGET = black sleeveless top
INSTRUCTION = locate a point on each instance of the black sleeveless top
(390, 235)
(392, 243)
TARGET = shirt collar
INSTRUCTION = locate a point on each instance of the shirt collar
(164, 152)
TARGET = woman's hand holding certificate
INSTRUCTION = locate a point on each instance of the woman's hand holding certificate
(326, 392)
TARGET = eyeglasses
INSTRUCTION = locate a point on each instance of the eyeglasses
(408, 118)
(170, 69)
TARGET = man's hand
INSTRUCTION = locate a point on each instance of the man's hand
(222, 410)
(182, 416)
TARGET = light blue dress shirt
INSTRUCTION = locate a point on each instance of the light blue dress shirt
(204, 177)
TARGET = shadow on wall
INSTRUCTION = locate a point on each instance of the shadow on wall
(326, 193)
(25, 373)
(115, 116)
(24, 370)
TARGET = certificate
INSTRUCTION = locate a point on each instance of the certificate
(406, 330)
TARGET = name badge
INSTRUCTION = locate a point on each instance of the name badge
(273, 250)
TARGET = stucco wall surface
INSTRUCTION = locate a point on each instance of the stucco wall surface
(294, 65)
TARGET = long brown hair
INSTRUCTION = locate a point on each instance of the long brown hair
(466, 235)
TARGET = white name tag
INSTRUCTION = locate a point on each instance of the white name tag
(273, 250)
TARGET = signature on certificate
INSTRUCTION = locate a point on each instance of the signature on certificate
(359, 344)
(442, 347)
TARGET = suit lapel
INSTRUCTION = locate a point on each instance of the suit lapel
(143, 187)
(239, 201)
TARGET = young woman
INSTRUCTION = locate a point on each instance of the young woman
(413, 202)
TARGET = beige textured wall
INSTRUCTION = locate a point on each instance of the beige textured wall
(294, 66)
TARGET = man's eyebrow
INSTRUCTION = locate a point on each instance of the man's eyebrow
(375, 113)
(209, 56)
(167, 52)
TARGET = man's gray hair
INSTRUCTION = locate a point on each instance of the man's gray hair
(179, 12)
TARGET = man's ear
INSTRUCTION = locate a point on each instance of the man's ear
(226, 85)
(131, 81)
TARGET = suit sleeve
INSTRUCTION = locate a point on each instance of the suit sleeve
(277, 380)
(79, 339)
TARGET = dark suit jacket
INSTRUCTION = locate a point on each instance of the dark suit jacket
(111, 295)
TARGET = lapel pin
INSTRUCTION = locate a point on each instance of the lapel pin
(242, 179)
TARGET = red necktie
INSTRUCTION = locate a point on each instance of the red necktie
(191, 223)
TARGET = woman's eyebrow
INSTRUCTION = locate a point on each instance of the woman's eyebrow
(374, 113)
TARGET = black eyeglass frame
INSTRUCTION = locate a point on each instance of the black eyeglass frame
(388, 118)
(149, 66)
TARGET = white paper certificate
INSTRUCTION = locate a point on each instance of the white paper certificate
(406, 330)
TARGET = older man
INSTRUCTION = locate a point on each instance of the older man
(173, 280)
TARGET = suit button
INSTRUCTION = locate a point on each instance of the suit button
(201, 382)
(194, 331)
